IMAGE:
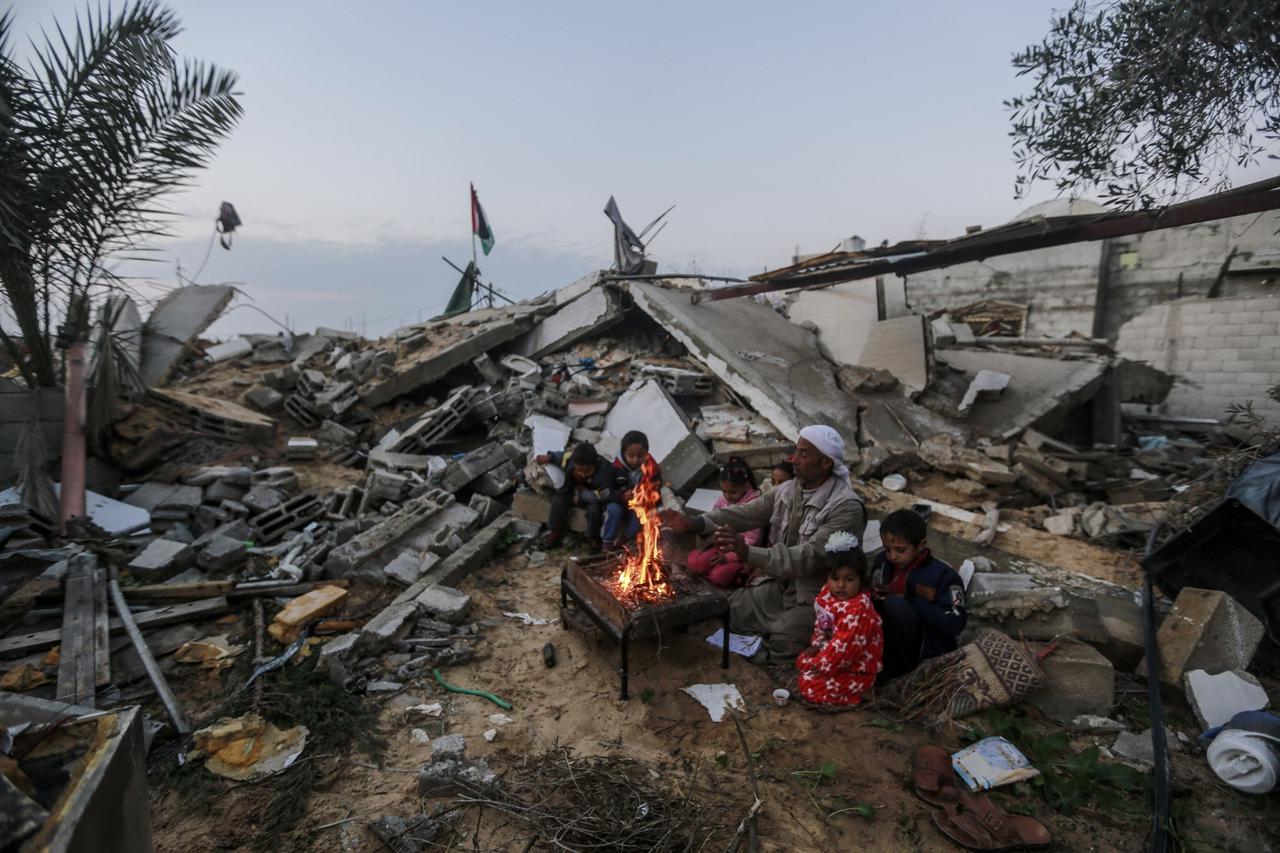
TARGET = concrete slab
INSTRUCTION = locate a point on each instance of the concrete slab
(650, 409)
(175, 323)
(429, 364)
(1043, 391)
(579, 318)
(774, 364)
(228, 350)
(1077, 680)
(1215, 699)
(549, 435)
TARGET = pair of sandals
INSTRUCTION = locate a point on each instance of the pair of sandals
(971, 821)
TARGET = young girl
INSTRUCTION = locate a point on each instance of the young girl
(722, 568)
(844, 654)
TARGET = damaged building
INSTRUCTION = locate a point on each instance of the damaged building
(366, 512)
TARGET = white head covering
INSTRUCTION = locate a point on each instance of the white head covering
(829, 444)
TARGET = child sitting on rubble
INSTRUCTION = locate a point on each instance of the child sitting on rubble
(844, 654)
(620, 523)
(920, 599)
(586, 484)
(718, 565)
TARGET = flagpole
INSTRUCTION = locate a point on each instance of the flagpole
(475, 265)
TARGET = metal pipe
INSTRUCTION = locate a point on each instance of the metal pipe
(1254, 198)
(177, 716)
(998, 340)
(71, 500)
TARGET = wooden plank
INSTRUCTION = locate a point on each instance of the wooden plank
(77, 661)
(101, 633)
(25, 644)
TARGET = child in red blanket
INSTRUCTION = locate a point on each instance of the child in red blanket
(844, 654)
(722, 567)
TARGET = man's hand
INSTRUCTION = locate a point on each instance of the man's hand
(677, 521)
(542, 459)
(731, 541)
(928, 593)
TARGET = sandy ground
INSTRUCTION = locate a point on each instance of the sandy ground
(576, 704)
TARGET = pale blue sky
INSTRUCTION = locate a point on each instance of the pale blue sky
(768, 126)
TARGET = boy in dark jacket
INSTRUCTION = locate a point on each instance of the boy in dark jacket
(620, 523)
(587, 483)
(920, 599)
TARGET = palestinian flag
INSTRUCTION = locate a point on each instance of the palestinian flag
(480, 223)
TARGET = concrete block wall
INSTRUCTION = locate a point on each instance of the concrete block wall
(1060, 283)
(1228, 350)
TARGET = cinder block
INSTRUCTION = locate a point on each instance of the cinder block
(1207, 629)
(1078, 679)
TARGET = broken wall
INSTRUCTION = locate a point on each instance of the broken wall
(1226, 349)
(1061, 282)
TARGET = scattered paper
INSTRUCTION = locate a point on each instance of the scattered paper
(739, 644)
(991, 762)
(527, 619)
(716, 698)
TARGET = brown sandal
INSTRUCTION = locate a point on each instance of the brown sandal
(933, 774)
(979, 824)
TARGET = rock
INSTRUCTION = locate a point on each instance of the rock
(448, 747)
(444, 603)
(1135, 748)
(423, 713)
(439, 779)
(412, 835)
(1064, 522)
(408, 566)
(1103, 522)
(392, 623)
(1215, 699)
(383, 686)
(1093, 723)
(1207, 629)
(1078, 680)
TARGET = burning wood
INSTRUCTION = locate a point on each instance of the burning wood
(641, 575)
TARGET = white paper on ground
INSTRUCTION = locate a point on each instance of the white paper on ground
(716, 698)
(524, 617)
(739, 644)
(991, 762)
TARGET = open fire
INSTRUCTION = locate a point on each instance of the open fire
(641, 576)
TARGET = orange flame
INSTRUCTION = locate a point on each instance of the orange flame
(642, 571)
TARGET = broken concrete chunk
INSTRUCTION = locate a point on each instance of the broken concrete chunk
(1215, 699)
(596, 309)
(1106, 523)
(1077, 680)
(162, 556)
(262, 497)
(266, 400)
(1064, 522)
(175, 323)
(479, 461)
(222, 554)
(1208, 630)
(392, 623)
(444, 603)
(449, 748)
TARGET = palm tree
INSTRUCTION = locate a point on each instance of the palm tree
(104, 122)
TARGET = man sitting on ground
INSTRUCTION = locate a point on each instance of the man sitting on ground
(800, 514)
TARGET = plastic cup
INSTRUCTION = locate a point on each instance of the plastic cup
(781, 697)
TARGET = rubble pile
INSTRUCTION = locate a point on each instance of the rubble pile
(358, 483)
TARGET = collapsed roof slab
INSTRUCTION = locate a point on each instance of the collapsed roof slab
(772, 363)
(175, 323)
(1041, 391)
(596, 309)
(430, 364)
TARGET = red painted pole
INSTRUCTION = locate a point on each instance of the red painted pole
(71, 497)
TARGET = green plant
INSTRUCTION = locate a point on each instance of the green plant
(646, 695)
(104, 123)
(1143, 100)
(886, 724)
(1067, 780)
(826, 772)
